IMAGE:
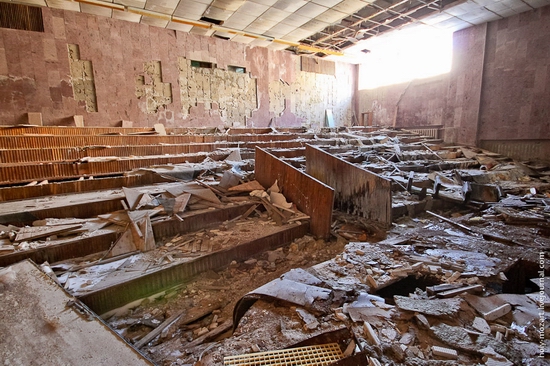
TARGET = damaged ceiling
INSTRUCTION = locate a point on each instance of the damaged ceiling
(319, 27)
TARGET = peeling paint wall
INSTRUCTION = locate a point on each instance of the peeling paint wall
(142, 74)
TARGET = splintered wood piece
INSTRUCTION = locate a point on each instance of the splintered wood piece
(32, 233)
(155, 332)
(118, 218)
(145, 200)
(181, 202)
(248, 212)
(136, 228)
(247, 187)
(125, 244)
(148, 240)
(274, 212)
(133, 197)
(205, 194)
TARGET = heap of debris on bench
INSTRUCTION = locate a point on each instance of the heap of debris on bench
(439, 258)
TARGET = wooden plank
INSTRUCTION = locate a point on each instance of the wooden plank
(37, 232)
(155, 332)
(357, 191)
(311, 196)
(247, 187)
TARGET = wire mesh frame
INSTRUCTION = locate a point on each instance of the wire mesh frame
(318, 355)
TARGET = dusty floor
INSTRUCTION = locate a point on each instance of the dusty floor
(440, 248)
(460, 278)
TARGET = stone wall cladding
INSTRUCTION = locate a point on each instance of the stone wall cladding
(35, 76)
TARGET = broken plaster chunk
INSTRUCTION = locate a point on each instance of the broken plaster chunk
(260, 194)
(437, 307)
(279, 199)
(448, 353)
(389, 333)
(370, 333)
(497, 312)
(481, 325)
(340, 315)
(406, 339)
(274, 188)
(422, 321)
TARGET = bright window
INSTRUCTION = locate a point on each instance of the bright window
(405, 55)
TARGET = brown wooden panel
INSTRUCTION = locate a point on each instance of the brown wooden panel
(311, 196)
(357, 191)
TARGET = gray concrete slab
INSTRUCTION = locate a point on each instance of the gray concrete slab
(38, 328)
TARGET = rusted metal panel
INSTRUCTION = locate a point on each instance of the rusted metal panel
(60, 252)
(123, 293)
(357, 191)
(311, 196)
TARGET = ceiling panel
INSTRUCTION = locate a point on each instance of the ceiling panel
(250, 8)
(324, 26)
(289, 5)
(239, 21)
(162, 6)
(311, 10)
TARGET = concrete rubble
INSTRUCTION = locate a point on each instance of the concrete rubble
(458, 278)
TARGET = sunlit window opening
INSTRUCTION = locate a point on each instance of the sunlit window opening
(405, 55)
